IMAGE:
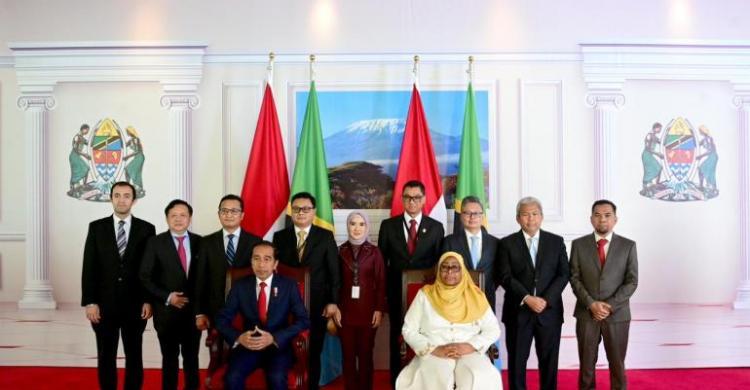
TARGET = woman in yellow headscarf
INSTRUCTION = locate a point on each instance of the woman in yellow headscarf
(450, 326)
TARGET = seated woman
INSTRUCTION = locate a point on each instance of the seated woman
(450, 325)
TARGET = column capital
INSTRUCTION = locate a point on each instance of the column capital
(46, 102)
(186, 101)
(741, 100)
(609, 98)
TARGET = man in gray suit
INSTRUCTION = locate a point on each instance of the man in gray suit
(604, 275)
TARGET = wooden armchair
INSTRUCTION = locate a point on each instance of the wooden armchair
(219, 353)
(411, 282)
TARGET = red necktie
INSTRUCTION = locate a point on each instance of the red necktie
(411, 244)
(182, 253)
(600, 247)
(262, 304)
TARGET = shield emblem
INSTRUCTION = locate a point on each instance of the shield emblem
(106, 149)
(679, 149)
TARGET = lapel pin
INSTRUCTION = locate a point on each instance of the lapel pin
(275, 292)
(424, 230)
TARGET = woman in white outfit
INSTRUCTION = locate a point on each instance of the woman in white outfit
(450, 325)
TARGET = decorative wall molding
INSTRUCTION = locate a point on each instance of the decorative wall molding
(226, 125)
(177, 66)
(12, 236)
(606, 66)
(553, 207)
(380, 58)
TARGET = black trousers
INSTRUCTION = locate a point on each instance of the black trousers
(108, 332)
(317, 333)
(518, 337)
(175, 340)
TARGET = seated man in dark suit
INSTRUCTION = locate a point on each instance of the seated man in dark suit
(476, 245)
(265, 301)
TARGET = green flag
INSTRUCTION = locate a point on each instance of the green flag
(310, 169)
(470, 168)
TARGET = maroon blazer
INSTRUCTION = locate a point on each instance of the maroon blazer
(371, 284)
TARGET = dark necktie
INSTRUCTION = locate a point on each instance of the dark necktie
(182, 253)
(411, 244)
(600, 247)
(230, 249)
(262, 304)
(122, 239)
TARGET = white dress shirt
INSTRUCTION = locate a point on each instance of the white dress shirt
(408, 219)
(128, 222)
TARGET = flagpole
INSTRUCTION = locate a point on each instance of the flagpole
(415, 71)
(312, 69)
(470, 71)
(269, 69)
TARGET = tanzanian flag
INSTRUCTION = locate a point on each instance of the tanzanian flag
(310, 168)
(470, 169)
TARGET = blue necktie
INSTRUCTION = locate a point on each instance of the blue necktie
(230, 249)
(475, 255)
(532, 249)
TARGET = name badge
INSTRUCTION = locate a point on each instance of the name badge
(355, 292)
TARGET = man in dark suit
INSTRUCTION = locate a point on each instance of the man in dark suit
(111, 291)
(604, 275)
(306, 245)
(533, 270)
(408, 241)
(168, 273)
(475, 245)
(266, 301)
(229, 247)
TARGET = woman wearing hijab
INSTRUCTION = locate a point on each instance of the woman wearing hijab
(450, 326)
(362, 301)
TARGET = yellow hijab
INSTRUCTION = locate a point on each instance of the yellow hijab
(462, 303)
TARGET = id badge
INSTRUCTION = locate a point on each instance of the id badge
(355, 292)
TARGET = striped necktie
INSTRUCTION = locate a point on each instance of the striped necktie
(122, 239)
(230, 249)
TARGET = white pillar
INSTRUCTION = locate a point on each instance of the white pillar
(605, 115)
(37, 291)
(180, 108)
(742, 102)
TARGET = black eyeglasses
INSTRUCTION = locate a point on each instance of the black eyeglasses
(225, 211)
(448, 269)
(302, 210)
(414, 199)
(476, 214)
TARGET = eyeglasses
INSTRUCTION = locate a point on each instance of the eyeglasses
(225, 211)
(450, 269)
(302, 210)
(414, 199)
(476, 214)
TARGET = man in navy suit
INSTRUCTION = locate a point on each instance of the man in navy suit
(265, 302)
(477, 247)
(168, 273)
(534, 270)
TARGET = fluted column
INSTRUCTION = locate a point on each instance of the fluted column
(180, 108)
(742, 102)
(605, 115)
(37, 291)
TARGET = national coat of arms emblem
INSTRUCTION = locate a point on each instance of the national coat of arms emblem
(679, 164)
(99, 160)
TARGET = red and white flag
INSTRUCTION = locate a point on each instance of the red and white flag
(417, 162)
(265, 190)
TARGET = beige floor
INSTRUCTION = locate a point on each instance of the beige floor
(662, 336)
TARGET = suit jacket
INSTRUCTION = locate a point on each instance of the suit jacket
(457, 242)
(108, 280)
(519, 277)
(614, 284)
(320, 256)
(284, 300)
(213, 266)
(161, 273)
(392, 244)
